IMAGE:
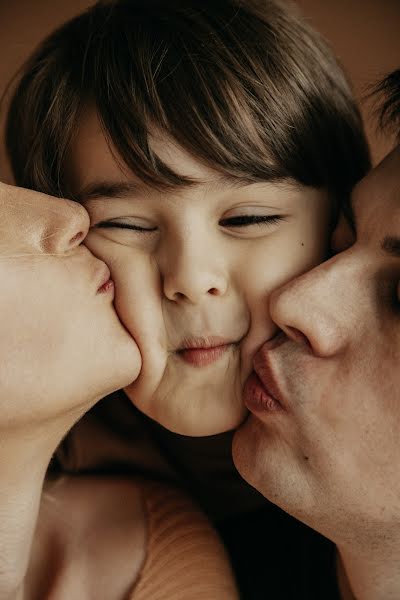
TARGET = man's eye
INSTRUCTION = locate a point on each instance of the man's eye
(121, 225)
(388, 291)
(246, 220)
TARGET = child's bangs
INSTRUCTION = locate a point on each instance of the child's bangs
(240, 85)
(199, 94)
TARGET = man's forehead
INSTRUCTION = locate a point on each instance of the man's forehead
(379, 191)
(375, 206)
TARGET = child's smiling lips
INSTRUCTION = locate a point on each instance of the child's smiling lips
(201, 352)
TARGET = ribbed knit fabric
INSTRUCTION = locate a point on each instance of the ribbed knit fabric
(185, 559)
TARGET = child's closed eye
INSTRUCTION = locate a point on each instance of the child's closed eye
(241, 222)
(248, 220)
(133, 226)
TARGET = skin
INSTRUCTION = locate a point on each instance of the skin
(52, 318)
(184, 269)
(329, 452)
(56, 361)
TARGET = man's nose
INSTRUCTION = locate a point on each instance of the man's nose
(318, 308)
(192, 271)
(65, 226)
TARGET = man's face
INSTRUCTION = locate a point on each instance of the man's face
(193, 270)
(57, 319)
(335, 372)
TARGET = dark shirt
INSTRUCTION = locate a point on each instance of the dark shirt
(275, 557)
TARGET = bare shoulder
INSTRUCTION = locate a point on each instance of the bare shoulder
(100, 523)
(93, 501)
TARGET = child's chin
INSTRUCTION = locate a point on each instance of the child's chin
(204, 422)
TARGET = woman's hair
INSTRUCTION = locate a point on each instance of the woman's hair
(245, 86)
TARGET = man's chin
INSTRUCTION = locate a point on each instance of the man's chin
(246, 448)
(268, 464)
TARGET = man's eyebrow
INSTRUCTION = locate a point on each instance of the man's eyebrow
(391, 245)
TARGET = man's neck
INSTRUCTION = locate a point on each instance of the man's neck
(373, 575)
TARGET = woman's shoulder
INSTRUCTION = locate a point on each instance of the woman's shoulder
(116, 537)
(92, 530)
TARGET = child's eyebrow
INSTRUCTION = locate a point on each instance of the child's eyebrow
(127, 189)
(104, 189)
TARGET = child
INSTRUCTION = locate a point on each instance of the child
(211, 143)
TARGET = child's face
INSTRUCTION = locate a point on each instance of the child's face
(193, 273)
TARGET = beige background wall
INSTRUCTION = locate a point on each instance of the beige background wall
(365, 35)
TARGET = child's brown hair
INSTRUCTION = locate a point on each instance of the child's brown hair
(243, 85)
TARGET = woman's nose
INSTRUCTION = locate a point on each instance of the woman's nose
(66, 226)
(315, 309)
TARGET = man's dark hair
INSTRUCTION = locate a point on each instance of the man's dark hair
(388, 92)
(245, 86)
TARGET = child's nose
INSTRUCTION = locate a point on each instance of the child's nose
(194, 275)
(193, 284)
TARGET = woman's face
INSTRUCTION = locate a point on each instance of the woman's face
(61, 343)
(193, 270)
